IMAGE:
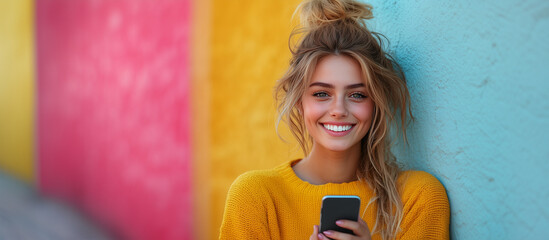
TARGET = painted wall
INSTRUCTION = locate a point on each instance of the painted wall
(203, 227)
(478, 74)
(17, 88)
(113, 112)
(114, 109)
(249, 52)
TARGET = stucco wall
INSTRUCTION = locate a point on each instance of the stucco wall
(113, 112)
(478, 75)
(249, 52)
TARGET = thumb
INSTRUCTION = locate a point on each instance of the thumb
(314, 236)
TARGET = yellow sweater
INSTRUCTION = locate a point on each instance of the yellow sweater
(277, 204)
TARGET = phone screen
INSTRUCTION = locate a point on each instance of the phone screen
(338, 207)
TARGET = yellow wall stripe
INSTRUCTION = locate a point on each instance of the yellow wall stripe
(249, 52)
(17, 88)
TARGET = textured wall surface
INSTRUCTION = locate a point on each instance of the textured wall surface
(203, 228)
(478, 74)
(113, 112)
(114, 84)
(249, 51)
(17, 88)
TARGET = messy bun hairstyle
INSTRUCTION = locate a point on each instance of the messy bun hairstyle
(337, 27)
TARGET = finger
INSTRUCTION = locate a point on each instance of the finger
(314, 236)
(338, 235)
(363, 223)
(360, 228)
(357, 228)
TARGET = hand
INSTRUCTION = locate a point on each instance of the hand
(359, 228)
(315, 234)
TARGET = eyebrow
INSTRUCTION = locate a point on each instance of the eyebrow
(326, 85)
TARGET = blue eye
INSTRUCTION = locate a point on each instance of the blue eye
(358, 95)
(320, 94)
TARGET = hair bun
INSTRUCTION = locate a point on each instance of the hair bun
(316, 13)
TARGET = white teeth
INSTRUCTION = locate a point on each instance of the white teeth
(337, 128)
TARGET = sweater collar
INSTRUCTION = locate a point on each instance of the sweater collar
(287, 172)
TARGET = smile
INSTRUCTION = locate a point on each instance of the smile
(337, 128)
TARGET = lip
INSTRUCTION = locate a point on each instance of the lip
(337, 134)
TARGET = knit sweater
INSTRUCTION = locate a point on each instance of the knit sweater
(277, 204)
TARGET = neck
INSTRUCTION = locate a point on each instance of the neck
(323, 166)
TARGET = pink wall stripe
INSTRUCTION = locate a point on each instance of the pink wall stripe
(113, 112)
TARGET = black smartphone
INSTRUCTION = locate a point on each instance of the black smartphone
(338, 207)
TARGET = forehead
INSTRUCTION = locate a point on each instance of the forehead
(338, 69)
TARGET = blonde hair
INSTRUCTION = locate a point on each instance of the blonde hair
(336, 27)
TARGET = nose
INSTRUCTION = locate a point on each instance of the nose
(338, 108)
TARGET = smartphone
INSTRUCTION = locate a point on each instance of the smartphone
(338, 207)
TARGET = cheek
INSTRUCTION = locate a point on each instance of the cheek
(312, 111)
(364, 112)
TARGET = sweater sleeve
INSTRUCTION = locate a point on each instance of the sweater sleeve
(245, 215)
(426, 208)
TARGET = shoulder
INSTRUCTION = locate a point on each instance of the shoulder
(248, 204)
(420, 185)
(254, 183)
(425, 206)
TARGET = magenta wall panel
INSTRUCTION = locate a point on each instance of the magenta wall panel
(113, 112)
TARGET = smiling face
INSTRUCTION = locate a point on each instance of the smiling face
(336, 107)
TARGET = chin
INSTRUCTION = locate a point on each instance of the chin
(338, 147)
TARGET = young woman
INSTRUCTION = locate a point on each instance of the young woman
(340, 97)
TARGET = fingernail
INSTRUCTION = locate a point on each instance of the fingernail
(339, 222)
(328, 233)
(320, 236)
